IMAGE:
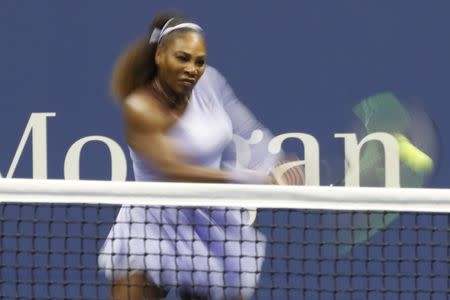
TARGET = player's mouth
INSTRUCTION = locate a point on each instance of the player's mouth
(187, 82)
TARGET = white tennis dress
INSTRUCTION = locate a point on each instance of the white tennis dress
(207, 252)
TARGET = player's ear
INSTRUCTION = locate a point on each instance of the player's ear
(158, 56)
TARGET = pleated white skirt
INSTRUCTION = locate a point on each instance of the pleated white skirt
(208, 252)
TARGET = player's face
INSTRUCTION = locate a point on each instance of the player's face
(182, 61)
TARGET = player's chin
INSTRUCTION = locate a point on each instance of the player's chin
(185, 87)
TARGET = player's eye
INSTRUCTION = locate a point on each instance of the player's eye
(183, 58)
(200, 62)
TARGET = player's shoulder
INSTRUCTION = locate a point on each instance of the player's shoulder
(140, 100)
(212, 71)
(140, 108)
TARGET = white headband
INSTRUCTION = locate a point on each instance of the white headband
(158, 34)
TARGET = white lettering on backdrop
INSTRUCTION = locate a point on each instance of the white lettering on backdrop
(37, 129)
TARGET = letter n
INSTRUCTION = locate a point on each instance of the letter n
(352, 156)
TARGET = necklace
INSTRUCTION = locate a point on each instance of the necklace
(172, 101)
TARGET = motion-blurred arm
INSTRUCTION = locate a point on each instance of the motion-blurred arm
(146, 127)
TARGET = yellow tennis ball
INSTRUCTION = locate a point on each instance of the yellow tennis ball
(412, 156)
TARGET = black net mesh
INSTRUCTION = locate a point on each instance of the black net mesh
(52, 252)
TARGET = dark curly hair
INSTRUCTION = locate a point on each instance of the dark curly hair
(136, 65)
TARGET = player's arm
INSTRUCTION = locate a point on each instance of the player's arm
(280, 166)
(146, 125)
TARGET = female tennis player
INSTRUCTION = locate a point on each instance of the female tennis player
(180, 116)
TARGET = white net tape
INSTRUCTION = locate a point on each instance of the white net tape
(234, 195)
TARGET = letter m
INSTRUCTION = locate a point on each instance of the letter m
(37, 128)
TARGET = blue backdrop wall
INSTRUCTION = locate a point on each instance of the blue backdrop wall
(300, 66)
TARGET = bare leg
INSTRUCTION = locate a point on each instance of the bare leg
(135, 287)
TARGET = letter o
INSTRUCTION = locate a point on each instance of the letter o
(118, 160)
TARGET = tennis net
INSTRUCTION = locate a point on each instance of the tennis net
(304, 242)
